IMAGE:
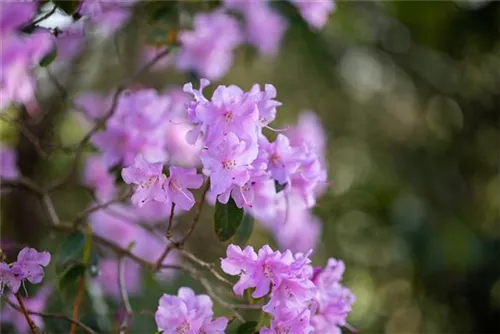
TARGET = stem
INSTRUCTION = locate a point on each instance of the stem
(170, 220)
(124, 296)
(26, 314)
(197, 214)
(78, 301)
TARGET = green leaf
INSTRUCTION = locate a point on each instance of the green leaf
(71, 249)
(279, 187)
(228, 218)
(249, 327)
(93, 265)
(49, 58)
(68, 6)
(72, 275)
(244, 231)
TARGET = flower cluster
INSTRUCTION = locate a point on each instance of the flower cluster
(207, 49)
(301, 299)
(19, 53)
(29, 266)
(188, 313)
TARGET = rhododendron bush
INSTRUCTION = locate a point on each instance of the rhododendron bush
(154, 160)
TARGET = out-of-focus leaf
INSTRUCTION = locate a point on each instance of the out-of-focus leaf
(71, 249)
(93, 265)
(228, 218)
(72, 275)
(244, 232)
(68, 6)
(249, 327)
(49, 58)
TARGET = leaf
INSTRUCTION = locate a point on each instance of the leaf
(93, 265)
(248, 327)
(228, 218)
(68, 6)
(71, 249)
(49, 58)
(279, 187)
(71, 276)
(244, 231)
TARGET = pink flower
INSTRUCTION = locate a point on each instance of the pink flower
(149, 180)
(8, 163)
(315, 12)
(176, 185)
(188, 313)
(108, 277)
(228, 163)
(8, 278)
(17, 319)
(282, 159)
(208, 49)
(30, 265)
(96, 176)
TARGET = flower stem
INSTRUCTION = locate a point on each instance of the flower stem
(26, 315)
(78, 301)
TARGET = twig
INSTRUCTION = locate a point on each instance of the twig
(104, 205)
(78, 301)
(51, 210)
(124, 296)
(26, 314)
(28, 134)
(197, 213)
(209, 266)
(170, 220)
(102, 122)
(24, 183)
(51, 315)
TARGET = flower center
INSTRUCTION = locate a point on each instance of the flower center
(150, 182)
(228, 116)
(228, 164)
(183, 328)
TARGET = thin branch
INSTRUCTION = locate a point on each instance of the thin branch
(26, 314)
(209, 266)
(78, 302)
(124, 296)
(24, 183)
(170, 220)
(197, 213)
(88, 330)
(51, 210)
(102, 121)
(28, 134)
(104, 205)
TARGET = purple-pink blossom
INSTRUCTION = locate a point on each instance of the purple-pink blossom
(315, 12)
(17, 319)
(149, 180)
(188, 313)
(208, 48)
(8, 163)
(177, 183)
(97, 176)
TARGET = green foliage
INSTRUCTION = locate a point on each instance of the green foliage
(245, 230)
(49, 58)
(68, 6)
(228, 218)
(248, 327)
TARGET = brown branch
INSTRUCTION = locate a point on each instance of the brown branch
(197, 213)
(26, 314)
(87, 329)
(78, 302)
(102, 121)
(124, 296)
(209, 266)
(170, 220)
(104, 205)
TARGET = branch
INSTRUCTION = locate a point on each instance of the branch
(26, 314)
(124, 296)
(78, 301)
(197, 213)
(88, 330)
(102, 121)
(209, 266)
(104, 205)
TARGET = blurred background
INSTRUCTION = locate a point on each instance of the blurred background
(409, 96)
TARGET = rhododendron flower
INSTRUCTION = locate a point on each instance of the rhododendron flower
(30, 265)
(149, 179)
(8, 163)
(108, 277)
(188, 313)
(283, 160)
(315, 12)
(36, 304)
(228, 163)
(109, 15)
(208, 48)
(97, 177)
(177, 183)
(8, 278)
(291, 323)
